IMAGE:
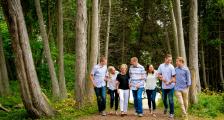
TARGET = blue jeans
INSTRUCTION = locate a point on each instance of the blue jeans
(101, 98)
(151, 95)
(114, 96)
(168, 93)
(137, 95)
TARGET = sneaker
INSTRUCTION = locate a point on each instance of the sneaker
(140, 115)
(136, 114)
(171, 115)
(165, 111)
(116, 113)
(103, 113)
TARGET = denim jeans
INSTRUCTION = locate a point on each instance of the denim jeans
(137, 95)
(114, 98)
(101, 98)
(151, 95)
(168, 93)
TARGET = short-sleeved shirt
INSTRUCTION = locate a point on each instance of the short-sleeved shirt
(183, 78)
(111, 83)
(99, 74)
(167, 71)
(123, 81)
(137, 76)
(151, 81)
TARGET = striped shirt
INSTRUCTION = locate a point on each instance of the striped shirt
(167, 71)
(183, 78)
(99, 74)
(137, 76)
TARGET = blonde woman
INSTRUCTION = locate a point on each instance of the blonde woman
(111, 84)
(123, 88)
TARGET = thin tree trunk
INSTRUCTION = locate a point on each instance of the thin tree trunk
(54, 80)
(168, 41)
(81, 51)
(3, 70)
(32, 97)
(108, 29)
(203, 66)
(193, 51)
(94, 45)
(61, 73)
(180, 30)
(174, 27)
(220, 58)
(123, 45)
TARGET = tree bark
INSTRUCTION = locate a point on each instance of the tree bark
(54, 80)
(81, 51)
(3, 72)
(180, 30)
(174, 27)
(108, 29)
(168, 41)
(193, 50)
(32, 97)
(94, 44)
(60, 39)
(220, 58)
(203, 66)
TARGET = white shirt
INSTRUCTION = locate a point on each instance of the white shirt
(151, 81)
(111, 83)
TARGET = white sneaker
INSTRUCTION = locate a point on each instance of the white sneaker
(103, 113)
(171, 115)
(140, 115)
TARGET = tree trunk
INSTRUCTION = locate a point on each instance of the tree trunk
(108, 29)
(168, 41)
(94, 45)
(123, 45)
(54, 80)
(180, 30)
(61, 75)
(32, 97)
(174, 27)
(193, 50)
(220, 58)
(81, 51)
(4, 80)
(203, 66)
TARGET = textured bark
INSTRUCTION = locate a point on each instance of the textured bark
(60, 39)
(54, 80)
(193, 50)
(32, 97)
(174, 27)
(203, 66)
(220, 59)
(94, 44)
(108, 29)
(81, 51)
(168, 41)
(180, 30)
(4, 79)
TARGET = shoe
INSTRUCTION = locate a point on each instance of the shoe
(116, 113)
(165, 111)
(122, 113)
(150, 111)
(153, 114)
(140, 115)
(103, 113)
(136, 113)
(171, 115)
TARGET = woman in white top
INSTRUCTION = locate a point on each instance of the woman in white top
(112, 86)
(151, 88)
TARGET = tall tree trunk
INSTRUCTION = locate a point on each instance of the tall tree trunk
(81, 51)
(167, 41)
(203, 66)
(32, 97)
(220, 58)
(193, 50)
(123, 45)
(94, 44)
(108, 29)
(180, 30)
(60, 39)
(174, 27)
(54, 80)
(4, 79)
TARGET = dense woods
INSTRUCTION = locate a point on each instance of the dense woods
(51, 46)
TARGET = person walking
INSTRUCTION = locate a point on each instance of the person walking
(166, 74)
(98, 76)
(137, 75)
(183, 81)
(150, 87)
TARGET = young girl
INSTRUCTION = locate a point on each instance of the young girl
(111, 84)
(151, 88)
(123, 88)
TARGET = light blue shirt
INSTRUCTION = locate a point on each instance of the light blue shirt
(111, 83)
(167, 71)
(183, 78)
(137, 76)
(99, 74)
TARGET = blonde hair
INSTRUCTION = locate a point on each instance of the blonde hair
(123, 66)
(181, 59)
(110, 68)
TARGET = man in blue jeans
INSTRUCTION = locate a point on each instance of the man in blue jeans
(137, 75)
(167, 75)
(98, 76)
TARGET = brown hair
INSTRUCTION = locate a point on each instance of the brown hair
(102, 59)
(181, 59)
(147, 69)
(168, 55)
(134, 59)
